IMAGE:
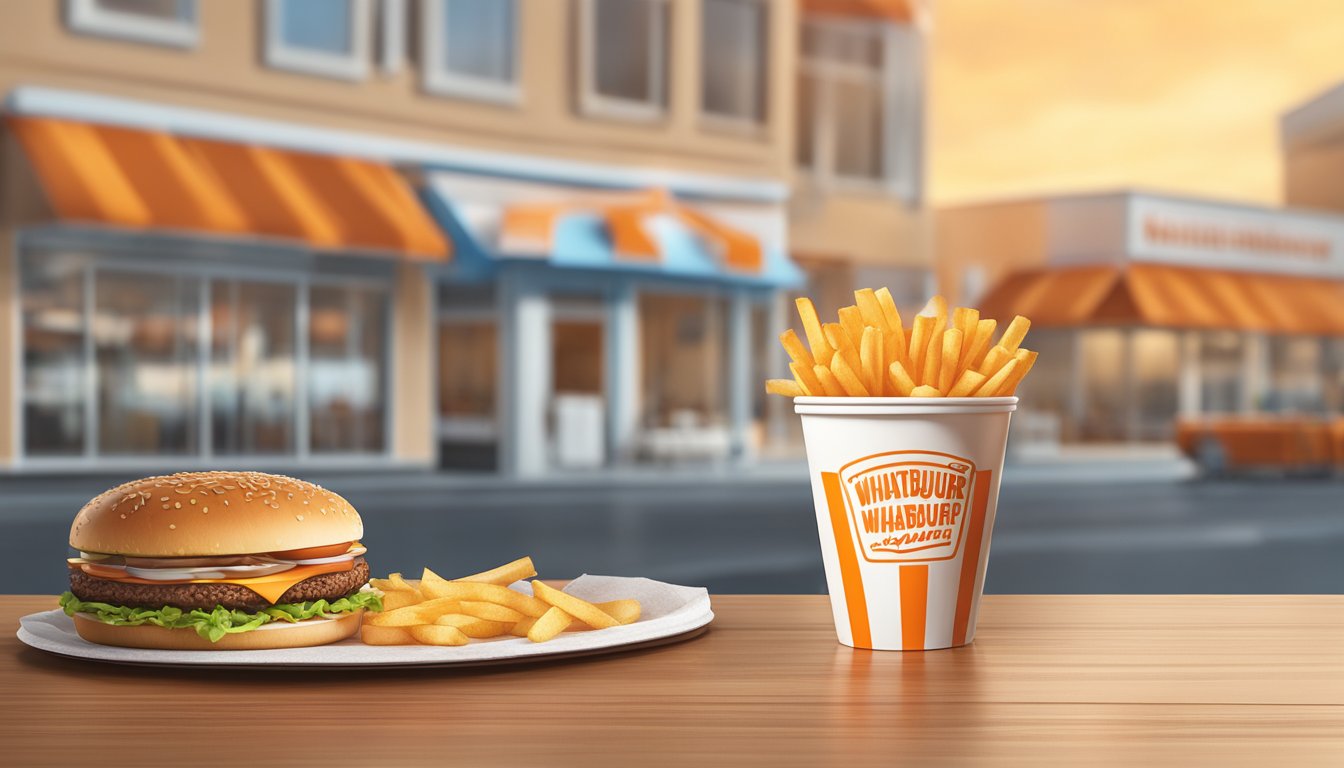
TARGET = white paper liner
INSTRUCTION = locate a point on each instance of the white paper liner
(668, 610)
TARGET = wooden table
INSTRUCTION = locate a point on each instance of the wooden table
(1116, 680)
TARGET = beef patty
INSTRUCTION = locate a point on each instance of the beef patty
(328, 586)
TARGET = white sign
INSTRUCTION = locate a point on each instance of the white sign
(1231, 237)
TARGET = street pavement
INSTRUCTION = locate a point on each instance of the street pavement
(759, 534)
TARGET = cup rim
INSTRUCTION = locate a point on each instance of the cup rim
(858, 406)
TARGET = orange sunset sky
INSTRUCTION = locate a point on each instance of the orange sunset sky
(1030, 96)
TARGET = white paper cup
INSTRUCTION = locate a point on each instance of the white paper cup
(905, 491)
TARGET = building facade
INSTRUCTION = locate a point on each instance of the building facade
(1150, 308)
(524, 235)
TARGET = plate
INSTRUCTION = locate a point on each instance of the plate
(670, 613)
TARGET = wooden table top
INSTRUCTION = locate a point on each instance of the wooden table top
(1087, 680)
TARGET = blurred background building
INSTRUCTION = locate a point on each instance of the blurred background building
(513, 235)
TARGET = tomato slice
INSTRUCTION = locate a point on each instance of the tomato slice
(309, 553)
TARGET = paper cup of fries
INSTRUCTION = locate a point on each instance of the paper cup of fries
(905, 430)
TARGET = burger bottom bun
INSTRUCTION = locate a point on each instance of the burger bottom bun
(274, 635)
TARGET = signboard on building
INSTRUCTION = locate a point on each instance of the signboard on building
(1221, 236)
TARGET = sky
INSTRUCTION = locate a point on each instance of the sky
(1031, 96)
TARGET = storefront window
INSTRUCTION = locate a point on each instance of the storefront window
(684, 386)
(1156, 362)
(1220, 372)
(1295, 380)
(1333, 394)
(468, 359)
(1103, 367)
(53, 355)
(252, 367)
(145, 347)
(347, 333)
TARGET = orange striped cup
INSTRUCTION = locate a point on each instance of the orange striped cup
(905, 492)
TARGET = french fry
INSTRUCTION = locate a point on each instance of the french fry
(816, 340)
(995, 360)
(580, 609)
(807, 379)
(871, 311)
(994, 383)
(835, 333)
(434, 634)
(420, 613)
(924, 390)
(889, 310)
(490, 611)
(893, 349)
(624, 611)
(919, 342)
(851, 319)
(400, 598)
(374, 635)
(947, 372)
(870, 359)
(965, 320)
(473, 627)
(506, 574)
(829, 384)
(478, 592)
(794, 347)
(1025, 358)
(785, 387)
(394, 581)
(975, 353)
(1015, 333)
(901, 382)
(933, 351)
(967, 383)
(523, 627)
(552, 622)
(848, 377)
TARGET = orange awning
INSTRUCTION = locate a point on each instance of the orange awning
(627, 219)
(1161, 296)
(134, 178)
(891, 10)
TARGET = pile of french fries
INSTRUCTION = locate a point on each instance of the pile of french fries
(871, 353)
(433, 610)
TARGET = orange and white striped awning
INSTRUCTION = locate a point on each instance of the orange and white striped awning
(1163, 296)
(124, 177)
(632, 223)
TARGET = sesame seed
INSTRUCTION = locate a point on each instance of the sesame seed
(299, 518)
(123, 517)
(163, 498)
(177, 505)
(193, 501)
(172, 527)
(226, 502)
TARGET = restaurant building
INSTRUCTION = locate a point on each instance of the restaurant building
(511, 234)
(1147, 308)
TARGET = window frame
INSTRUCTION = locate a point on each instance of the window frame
(594, 104)
(440, 81)
(87, 17)
(743, 126)
(901, 81)
(355, 66)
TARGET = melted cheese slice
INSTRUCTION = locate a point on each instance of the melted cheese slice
(270, 587)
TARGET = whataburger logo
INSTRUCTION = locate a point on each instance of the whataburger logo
(908, 506)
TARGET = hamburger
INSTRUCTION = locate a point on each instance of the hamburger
(217, 561)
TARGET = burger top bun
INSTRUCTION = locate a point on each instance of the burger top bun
(213, 513)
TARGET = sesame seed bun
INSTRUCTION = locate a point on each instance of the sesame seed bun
(275, 635)
(213, 513)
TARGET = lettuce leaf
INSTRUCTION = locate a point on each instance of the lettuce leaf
(221, 621)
